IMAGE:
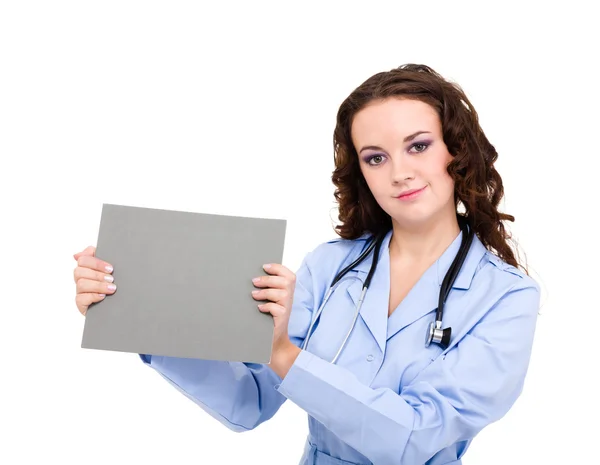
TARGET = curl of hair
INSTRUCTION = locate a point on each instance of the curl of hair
(478, 186)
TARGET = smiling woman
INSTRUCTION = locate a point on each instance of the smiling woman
(405, 168)
(409, 152)
(416, 130)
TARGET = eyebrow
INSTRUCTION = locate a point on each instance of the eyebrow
(406, 139)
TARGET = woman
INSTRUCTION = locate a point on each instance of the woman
(410, 155)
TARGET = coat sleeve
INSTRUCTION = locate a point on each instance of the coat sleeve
(474, 384)
(239, 395)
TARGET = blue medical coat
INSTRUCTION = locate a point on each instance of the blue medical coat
(388, 399)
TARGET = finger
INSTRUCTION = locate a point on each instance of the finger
(274, 295)
(279, 270)
(90, 251)
(88, 273)
(85, 286)
(277, 282)
(94, 263)
(272, 308)
(83, 301)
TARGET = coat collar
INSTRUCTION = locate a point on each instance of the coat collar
(422, 298)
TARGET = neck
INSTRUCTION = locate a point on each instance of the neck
(425, 242)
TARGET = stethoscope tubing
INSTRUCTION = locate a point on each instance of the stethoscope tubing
(375, 245)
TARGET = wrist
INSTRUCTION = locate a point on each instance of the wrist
(283, 356)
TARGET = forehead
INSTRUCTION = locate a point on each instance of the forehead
(394, 118)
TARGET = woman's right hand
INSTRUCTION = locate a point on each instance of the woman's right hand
(93, 279)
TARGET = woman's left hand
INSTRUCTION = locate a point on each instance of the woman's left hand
(278, 288)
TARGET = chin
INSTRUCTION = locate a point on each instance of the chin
(414, 219)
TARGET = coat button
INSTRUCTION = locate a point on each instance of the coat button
(370, 358)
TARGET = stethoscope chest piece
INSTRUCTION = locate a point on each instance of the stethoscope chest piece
(438, 335)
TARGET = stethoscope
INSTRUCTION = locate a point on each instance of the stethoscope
(435, 332)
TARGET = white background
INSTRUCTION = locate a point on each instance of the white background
(230, 109)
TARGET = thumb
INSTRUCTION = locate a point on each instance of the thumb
(90, 250)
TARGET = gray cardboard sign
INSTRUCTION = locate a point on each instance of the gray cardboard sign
(184, 283)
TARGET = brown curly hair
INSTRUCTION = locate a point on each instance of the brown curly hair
(478, 186)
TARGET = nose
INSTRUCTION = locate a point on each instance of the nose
(402, 169)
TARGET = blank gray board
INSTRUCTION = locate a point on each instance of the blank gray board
(184, 283)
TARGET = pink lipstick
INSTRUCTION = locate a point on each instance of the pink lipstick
(410, 194)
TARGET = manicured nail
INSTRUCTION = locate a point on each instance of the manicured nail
(109, 269)
(255, 280)
(112, 287)
(266, 267)
(109, 278)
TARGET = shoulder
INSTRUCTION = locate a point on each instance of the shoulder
(510, 276)
(336, 251)
(499, 293)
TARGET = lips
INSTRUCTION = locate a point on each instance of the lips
(409, 192)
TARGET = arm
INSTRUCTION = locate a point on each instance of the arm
(474, 384)
(239, 395)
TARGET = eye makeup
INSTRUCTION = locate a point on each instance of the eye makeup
(373, 156)
(425, 143)
(379, 157)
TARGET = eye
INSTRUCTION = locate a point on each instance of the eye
(419, 146)
(375, 160)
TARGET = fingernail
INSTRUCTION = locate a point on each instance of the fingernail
(266, 267)
(109, 269)
(255, 280)
(254, 292)
(112, 287)
(109, 278)
(102, 295)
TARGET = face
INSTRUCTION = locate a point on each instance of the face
(404, 159)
